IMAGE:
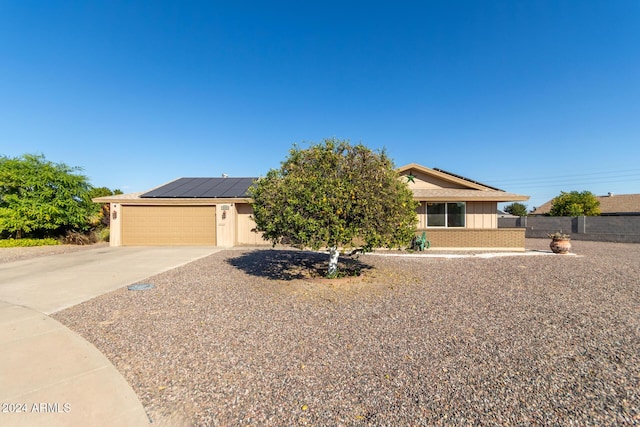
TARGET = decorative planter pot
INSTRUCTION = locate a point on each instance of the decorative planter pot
(560, 246)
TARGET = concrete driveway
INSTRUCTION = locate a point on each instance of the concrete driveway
(49, 375)
(53, 283)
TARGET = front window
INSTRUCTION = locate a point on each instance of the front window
(446, 214)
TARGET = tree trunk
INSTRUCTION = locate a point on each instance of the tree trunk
(333, 261)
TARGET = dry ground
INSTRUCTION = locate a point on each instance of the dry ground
(537, 340)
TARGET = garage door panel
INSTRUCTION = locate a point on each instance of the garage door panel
(168, 225)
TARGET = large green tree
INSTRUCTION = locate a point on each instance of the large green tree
(332, 195)
(41, 197)
(517, 209)
(575, 203)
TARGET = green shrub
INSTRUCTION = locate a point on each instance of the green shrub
(18, 243)
(104, 234)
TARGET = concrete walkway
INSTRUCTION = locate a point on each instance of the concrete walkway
(49, 375)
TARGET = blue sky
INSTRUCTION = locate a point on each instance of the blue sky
(534, 97)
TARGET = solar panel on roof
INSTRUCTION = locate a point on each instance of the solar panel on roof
(202, 188)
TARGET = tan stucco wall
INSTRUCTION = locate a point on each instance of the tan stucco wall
(115, 225)
(244, 225)
(226, 224)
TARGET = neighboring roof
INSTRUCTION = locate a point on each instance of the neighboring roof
(202, 188)
(543, 209)
(610, 204)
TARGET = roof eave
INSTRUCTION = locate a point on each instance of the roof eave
(444, 198)
(174, 200)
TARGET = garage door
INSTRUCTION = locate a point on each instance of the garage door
(168, 225)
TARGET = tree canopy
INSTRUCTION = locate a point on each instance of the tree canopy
(575, 203)
(517, 209)
(332, 195)
(41, 197)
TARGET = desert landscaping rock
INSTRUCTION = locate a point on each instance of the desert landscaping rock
(241, 338)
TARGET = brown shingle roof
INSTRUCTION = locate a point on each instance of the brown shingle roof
(609, 205)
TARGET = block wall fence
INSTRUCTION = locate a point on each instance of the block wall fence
(622, 229)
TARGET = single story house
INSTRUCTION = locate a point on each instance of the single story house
(610, 205)
(456, 212)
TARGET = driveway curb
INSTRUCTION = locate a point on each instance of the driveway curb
(49, 375)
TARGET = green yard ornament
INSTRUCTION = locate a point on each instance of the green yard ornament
(421, 242)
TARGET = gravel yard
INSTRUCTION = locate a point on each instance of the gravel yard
(522, 340)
